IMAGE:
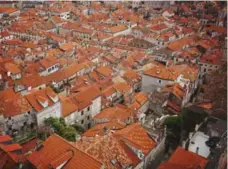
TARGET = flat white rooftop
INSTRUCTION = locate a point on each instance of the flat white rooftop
(198, 140)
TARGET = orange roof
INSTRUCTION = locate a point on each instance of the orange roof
(206, 105)
(10, 67)
(68, 107)
(107, 149)
(97, 129)
(105, 71)
(28, 45)
(7, 94)
(42, 95)
(8, 10)
(118, 28)
(171, 73)
(108, 91)
(158, 27)
(66, 46)
(85, 97)
(131, 75)
(5, 138)
(136, 136)
(141, 98)
(33, 80)
(119, 112)
(161, 72)
(52, 153)
(94, 76)
(14, 106)
(189, 160)
(176, 89)
(11, 147)
(122, 87)
(177, 45)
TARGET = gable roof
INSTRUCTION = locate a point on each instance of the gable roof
(106, 148)
(37, 96)
(136, 136)
(119, 112)
(189, 160)
(55, 151)
(14, 106)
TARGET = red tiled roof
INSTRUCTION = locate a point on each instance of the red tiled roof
(48, 62)
(122, 87)
(43, 94)
(53, 151)
(107, 149)
(136, 136)
(122, 113)
(105, 71)
(182, 158)
(33, 80)
(97, 129)
(15, 106)
(5, 138)
(68, 107)
(30, 145)
(85, 97)
(10, 147)
(10, 67)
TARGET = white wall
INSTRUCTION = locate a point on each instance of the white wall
(52, 111)
(150, 84)
(96, 106)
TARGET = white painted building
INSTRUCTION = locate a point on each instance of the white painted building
(45, 103)
(150, 84)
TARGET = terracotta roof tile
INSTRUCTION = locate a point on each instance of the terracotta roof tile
(119, 112)
(15, 106)
(136, 136)
(97, 129)
(122, 88)
(104, 71)
(44, 94)
(107, 149)
(13, 68)
(68, 107)
(5, 138)
(55, 147)
(189, 160)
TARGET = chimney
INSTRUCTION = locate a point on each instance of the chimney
(197, 150)
(67, 90)
(38, 145)
(104, 130)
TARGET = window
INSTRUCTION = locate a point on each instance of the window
(82, 121)
(82, 113)
(88, 117)
(205, 70)
(56, 66)
(159, 81)
(88, 108)
(49, 69)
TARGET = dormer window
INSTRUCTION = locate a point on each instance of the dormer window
(43, 101)
(54, 97)
(140, 155)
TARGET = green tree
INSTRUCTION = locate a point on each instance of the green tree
(78, 128)
(60, 128)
